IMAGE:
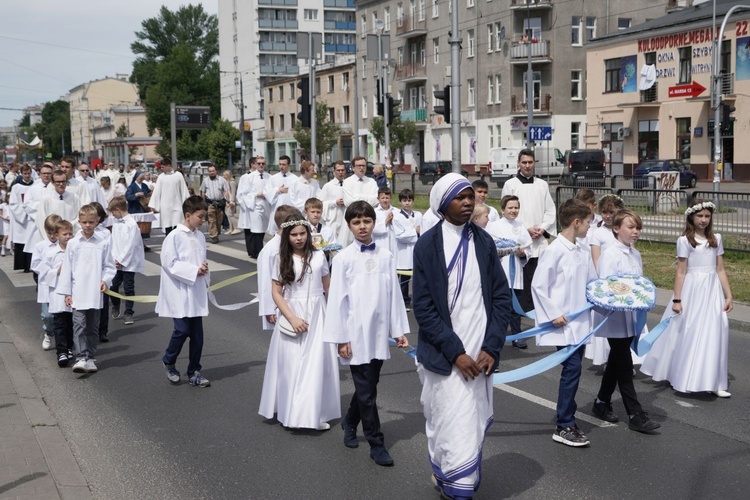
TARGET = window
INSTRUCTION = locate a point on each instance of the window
(490, 90)
(422, 53)
(363, 25)
(685, 62)
(421, 9)
(281, 122)
(490, 37)
(575, 26)
(470, 88)
(499, 35)
(413, 98)
(434, 99)
(533, 28)
(281, 92)
(436, 50)
(490, 132)
(364, 67)
(612, 80)
(623, 23)
(400, 15)
(536, 77)
(345, 81)
(499, 137)
(498, 89)
(470, 36)
(331, 115)
(331, 84)
(575, 84)
(345, 113)
(374, 22)
(435, 8)
(317, 86)
(590, 28)
(400, 56)
(271, 122)
(270, 95)
(469, 3)
(291, 91)
(311, 14)
(292, 120)
(364, 107)
(575, 135)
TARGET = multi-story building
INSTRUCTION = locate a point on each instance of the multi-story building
(258, 42)
(497, 37)
(332, 87)
(665, 112)
(89, 102)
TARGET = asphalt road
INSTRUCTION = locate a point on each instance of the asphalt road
(137, 436)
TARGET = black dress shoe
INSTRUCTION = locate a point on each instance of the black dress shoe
(521, 344)
(381, 456)
(103, 338)
(350, 435)
(641, 423)
(604, 412)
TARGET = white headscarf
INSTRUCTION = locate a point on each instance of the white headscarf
(444, 190)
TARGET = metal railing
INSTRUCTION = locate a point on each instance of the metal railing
(564, 193)
(731, 218)
(583, 181)
(633, 182)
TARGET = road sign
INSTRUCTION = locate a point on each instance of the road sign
(192, 117)
(540, 133)
(693, 90)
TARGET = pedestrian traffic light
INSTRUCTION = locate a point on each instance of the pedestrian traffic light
(393, 112)
(445, 96)
(304, 114)
(726, 114)
(380, 99)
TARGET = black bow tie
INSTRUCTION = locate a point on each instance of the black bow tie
(61, 197)
(284, 175)
(371, 246)
(341, 183)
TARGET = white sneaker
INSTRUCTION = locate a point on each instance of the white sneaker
(47, 342)
(723, 394)
(80, 366)
(324, 426)
(91, 366)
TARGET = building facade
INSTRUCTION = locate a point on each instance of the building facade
(665, 112)
(258, 43)
(497, 37)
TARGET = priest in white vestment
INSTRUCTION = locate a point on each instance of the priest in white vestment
(279, 189)
(256, 201)
(305, 188)
(332, 196)
(168, 196)
(358, 187)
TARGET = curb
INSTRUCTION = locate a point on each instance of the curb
(62, 464)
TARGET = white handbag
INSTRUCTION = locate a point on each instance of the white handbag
(285, 327)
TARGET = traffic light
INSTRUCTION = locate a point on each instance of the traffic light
(393, 113)
(304, 114)
(726, 114)
(381, 100)
(445, 96)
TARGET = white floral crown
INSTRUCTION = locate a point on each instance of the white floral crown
(700, 206)
(614, 196)
(300, 222)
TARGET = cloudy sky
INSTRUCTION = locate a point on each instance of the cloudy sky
(47, 47)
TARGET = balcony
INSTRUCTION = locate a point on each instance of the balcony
(540, 52)
(346, 128)
(277, 2)
(518, 106)
(411, 26)
(340, 4)
(277, 47)
(411, 72)
(414, 115)
(727, 83)
(278, 24)
(338, 47)
(269, 69)
(340, 25)
(532, 4)
(650, 95)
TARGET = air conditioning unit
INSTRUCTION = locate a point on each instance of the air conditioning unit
(623, 132)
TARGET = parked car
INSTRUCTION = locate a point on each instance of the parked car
(504, 164)
(584, 167)
(431, 171)
(688, 178)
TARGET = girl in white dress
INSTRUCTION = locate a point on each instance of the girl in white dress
(4, 223)
(692, 353)
(301, 382)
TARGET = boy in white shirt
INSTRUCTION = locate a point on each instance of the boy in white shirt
(364, 309)
(87, 271)
(42, 291)
(314, 214)
(559, 289)
(305, 188)
(127, 250)
(406, 229)
(183, 294)
(49, 272)
(383, 233)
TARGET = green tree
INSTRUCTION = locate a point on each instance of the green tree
(122, 131)
(402, 134)
(221, 141)
(189, 25)
(326, 133)
(55, 128)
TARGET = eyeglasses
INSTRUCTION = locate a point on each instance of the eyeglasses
(82, 170)
(260, 163)
(59, 183)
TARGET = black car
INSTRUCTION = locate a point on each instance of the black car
(584, 167)
(431, 171)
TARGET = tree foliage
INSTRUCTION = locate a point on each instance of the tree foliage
(220, 141)
(122, 131)
(326, 133)
(402, 134)
(55, 128)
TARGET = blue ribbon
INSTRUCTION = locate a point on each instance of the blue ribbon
(642, 345)
(546, 327)
(411, 352)
(546, 363)
(517, 305)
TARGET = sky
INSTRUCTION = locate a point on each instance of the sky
(47, 47)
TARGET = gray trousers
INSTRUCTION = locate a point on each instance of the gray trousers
(86, 333)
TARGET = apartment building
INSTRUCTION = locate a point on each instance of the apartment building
(497, 37)
(666, 112)
(258, 43)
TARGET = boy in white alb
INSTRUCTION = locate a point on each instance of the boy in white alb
(364, 309)
(383, 233)
(127, 250)
(87, 270)
(406, 229)
(558, 290)
(305, 188)
(49, 273)
(267, 259)
(314, 214)
(42, 291)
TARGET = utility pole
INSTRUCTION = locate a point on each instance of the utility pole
(242, 124)
(355, 126)
(455, 43)
(529, 81)
(313, 111)
(383, 81)
(173, 116)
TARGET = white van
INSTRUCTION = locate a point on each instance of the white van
(504, 163)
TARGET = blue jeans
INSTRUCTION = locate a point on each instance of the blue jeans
(127, 279)
(47, 320)
(186, 328)
(566, 396)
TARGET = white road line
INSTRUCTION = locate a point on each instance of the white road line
(551, 405)
(19, 279)
(213, 266)
(230, 249)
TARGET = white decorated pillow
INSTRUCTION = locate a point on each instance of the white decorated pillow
(622, 292)
(506, 246)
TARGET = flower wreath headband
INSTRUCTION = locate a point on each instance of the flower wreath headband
(613, 196)
(700, 206)
(300, 222)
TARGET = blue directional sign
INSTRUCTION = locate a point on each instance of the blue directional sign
(540, 133)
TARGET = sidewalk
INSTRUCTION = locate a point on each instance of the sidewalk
(36, 462)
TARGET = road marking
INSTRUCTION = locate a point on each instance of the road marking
(19, 279)
(213, 266)
(229, 248)
(686, 404)
(551, 405)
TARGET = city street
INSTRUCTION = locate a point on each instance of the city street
(136, 436)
